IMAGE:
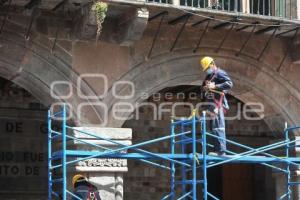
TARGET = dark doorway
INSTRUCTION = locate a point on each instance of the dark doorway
(231, 181)
(215, 179)
(238, 182)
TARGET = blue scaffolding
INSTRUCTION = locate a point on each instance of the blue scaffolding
(188, 159)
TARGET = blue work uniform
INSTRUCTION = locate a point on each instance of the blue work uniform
(86, 192)
(218, 102)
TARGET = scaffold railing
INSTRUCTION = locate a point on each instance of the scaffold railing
(188, 159)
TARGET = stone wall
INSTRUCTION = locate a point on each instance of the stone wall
(37, 63)
(23, 144)
(23, 150)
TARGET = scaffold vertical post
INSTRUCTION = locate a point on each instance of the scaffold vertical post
(194, 137)
(288, 175)
(49, 157)
(183, 167)
(172, 163)
(203, 121)
(64, 157)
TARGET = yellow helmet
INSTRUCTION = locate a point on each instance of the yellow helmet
(77, 177)
(205, 62)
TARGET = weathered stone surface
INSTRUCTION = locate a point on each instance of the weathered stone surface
(37, 63)
(126, 23)
(106, 173)
(108, 133)
(294, 50)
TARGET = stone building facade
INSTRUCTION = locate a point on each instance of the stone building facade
(53, 56)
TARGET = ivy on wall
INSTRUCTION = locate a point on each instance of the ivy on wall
(100, 9)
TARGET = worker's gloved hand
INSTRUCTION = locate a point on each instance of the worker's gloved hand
(216, 111)
(211, 85)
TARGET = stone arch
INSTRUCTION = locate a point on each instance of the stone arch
(32, 65)
(253, 80)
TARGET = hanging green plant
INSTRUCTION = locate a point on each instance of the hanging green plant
(100, 9)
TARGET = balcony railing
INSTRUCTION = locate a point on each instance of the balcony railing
(284, 9)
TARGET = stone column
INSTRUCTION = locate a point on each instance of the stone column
(298, 9)
(280, 184)
(176, 2)
(106, 174)
(246, 6)
(296, 170)
(280, 178)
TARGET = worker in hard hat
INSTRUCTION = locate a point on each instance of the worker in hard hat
(84, 189)
(216, 84)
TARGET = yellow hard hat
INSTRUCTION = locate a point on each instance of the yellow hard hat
(205, 62)
(77, 177)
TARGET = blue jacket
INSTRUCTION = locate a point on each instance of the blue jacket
(83, 191)
(223, 83)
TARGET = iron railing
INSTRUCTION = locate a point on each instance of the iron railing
(286, 9)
